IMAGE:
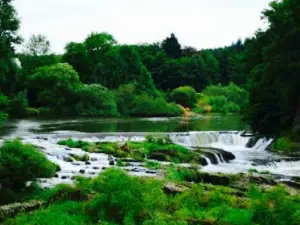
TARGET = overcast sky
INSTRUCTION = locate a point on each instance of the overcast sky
(198, 23)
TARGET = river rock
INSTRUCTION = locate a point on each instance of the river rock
(171, 188)
(214, 179)
(15, 208)
(292, 184)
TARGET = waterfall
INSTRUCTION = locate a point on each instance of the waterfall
(217, 157)
(207, 160)
(221, 140)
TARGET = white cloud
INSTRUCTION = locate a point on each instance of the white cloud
(198, 23)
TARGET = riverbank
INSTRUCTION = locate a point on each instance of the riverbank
(182, 196)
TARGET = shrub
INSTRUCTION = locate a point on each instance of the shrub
(20, 163)
(185, 96)
(146, 105)
(55, 86)
(134, 101)
(123, 199)
(18, 105)
(74, 144)
(274, 207)
(94, 100)
(222, 99)
(153, 165)
(33, 112)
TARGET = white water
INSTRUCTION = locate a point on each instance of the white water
(246, 158)
(234, 142)
(97, 163)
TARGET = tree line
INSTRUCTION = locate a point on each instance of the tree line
(95, 77)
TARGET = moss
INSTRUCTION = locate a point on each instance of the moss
(286, 145)
(153, 165)
(161, 149)
(83, 158)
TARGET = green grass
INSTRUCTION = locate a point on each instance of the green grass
(115, 198)
(160, 149)
(74, 144)
(153, 165)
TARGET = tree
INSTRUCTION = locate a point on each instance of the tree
(185, 96)
(212, 69)
(122, 65)
(9, 25)
(37, 45)
(273, 60)
(55, 85)
(3, 106)
(84, 57)
(76, 54)
(172, 47)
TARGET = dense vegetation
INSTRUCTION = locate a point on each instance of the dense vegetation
(20, 163)
(117, 198)
(99, 77)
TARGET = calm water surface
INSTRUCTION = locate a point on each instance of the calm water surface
(178, 124)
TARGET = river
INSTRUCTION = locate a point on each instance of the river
(208, 131)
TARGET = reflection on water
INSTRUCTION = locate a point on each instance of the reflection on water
(180, 124)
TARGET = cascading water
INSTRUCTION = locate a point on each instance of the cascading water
(233, 142)
(247, 158)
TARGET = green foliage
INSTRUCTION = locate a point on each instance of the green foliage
(121, 65)
(115, 198)
(125, 200)
(9, 25)
(94, 100)
(274, 67)
(18, 105)
(274, 207)
(55, 85)
(153, 165)
(185, 96)
(172, 47)
(3, 107)
(223, 99)
(161, 149)
(60, 214)
(74, 144)
(20, 163)
(134, 102)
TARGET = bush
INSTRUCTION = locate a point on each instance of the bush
(20, 163)
(55, 86)
(94, 100)
(185, 96)
(74, 144)
(133, 101)
(123, 199)
(18, 105)
(222, 99)
(33, 112)
(146, 105)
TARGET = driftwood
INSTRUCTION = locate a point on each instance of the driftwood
(12, 210)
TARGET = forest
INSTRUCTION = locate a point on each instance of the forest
(257, 78)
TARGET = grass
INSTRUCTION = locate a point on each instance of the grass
(160, 149)
(153, 165)
(115, 198)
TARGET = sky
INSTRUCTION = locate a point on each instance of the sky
(197, 23)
